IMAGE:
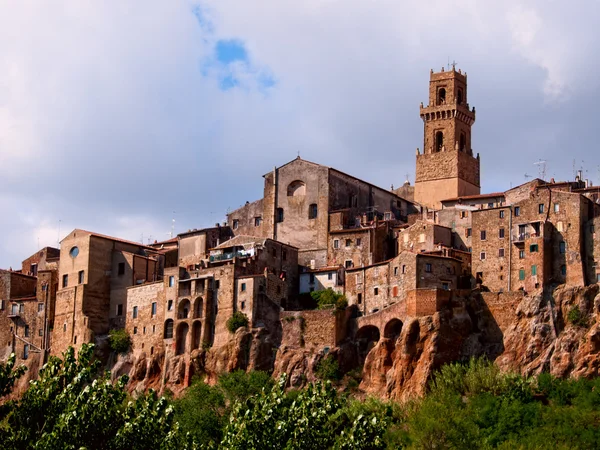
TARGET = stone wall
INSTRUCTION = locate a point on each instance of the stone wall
(147, 329)
(311, 328)
(425, 302)
(503, 306)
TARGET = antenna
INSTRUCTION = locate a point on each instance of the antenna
(58, 236)
(527, 176)
(541, 169)
(172, 225)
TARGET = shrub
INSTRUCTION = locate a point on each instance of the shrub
(329, 298)
(238, 320)
(328, 369)
(119, 341)
(576, 317)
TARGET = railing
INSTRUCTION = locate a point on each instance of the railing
(521, 237)
(226, 256)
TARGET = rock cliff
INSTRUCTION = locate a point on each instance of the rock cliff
(558, 332)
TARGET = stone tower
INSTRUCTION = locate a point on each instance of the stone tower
(446, 167)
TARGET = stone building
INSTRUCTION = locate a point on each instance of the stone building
(94, 274)
(298, 198)
(380, 285)
(44, 259)
(322, 279)
(424, 236)
(446, 168)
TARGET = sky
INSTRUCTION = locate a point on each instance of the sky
(121, 116)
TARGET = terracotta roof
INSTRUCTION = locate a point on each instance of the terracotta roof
(111, 238)
(323, 269)
(475, 197)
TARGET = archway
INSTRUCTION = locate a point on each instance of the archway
(366, 338)
(441, 96)
(196, 334)
(182, 335)
(296, 189)
(199, 305)
(168, 329)
(392, 330)
(184, 309)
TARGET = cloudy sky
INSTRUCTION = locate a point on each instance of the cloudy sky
(118, 116)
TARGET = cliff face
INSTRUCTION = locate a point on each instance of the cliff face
(557, 332)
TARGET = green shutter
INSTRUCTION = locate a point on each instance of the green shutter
(522, 274)
(534, 270)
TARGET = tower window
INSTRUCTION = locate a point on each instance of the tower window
(313, 211)
(463, 142)
(439, 141)
(441, 96)
(279, 215)
(459, 96)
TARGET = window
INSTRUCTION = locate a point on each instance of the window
(395, 271)
(336, 243)
(144, 330)
(501, 233)
(439, 141)
(469, 232)
(26, 351)
(358, 278)
(153, 313)
(562, 247)
(501, 214)
(120, 309)
(65, 281)
(21, 307)
(64, 328)
(541, 208)
(236, 224)
(1, 305)
(243, 287)
(26, 331)
(296, 188)
(556, 207)
(40, 307)
(171, 281)
(41, 332)
(243, 305)
(483, 235)
(482, 256)
(358, 242)
(121, 269)
(217, 284)
(521, 274)
(563, 270)
(441, 96)
(311, 278)
(559, 226)
(279, 215)
(517, 211)
(376, 291)
(348, 264)
(134, 330)
(387, 216)
(257, 221)
(170, 305)
(533, 248)
(421, 237)
(521, 254)
(80, 277)
(73, 252)
(445, 285)
(464, 214)
(330, 276)
(534, 270)
(283, 254)
(403, 268)
(274, 253)
(135, 312)
(153, 329)
(490, 205)
(313, 211)
(169, 329)
(500, 253)
(428, 267)
(348, 242)
(359, 297)
(459, 98)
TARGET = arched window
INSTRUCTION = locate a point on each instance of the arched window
(296, 189)
(439, 141)
(279, 215)
(459, 97)
(182, 336)
(169, 329)
(313, 210)
(184, 309)
(199, 307)
(196, 335)
(463, 142)
(441, 96)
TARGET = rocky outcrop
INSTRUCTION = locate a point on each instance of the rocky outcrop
(558, 331)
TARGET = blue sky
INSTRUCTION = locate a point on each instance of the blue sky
(118, 120)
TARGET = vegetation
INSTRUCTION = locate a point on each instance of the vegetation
(328, 298)
(468, 406)
(238, 320)
(119, 340)
(328, 369)
(577, 318)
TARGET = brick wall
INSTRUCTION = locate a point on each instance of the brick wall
(425, 302)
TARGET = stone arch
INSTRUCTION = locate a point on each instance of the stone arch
(182, 336)
(296, 188)
(199, 307)
(393, 329)
(196, 334)
(366, 338)
(183, 311)
(441, 96)
(168, 334)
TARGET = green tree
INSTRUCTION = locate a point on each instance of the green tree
(119, 340)
(9, 375)
(238, 320)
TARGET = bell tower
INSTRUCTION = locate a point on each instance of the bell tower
(446, 168)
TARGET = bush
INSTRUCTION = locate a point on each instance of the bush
(328, 369)
(238, 320)
(119, 341)
(329, 299)
(239, 385)
(577, 318)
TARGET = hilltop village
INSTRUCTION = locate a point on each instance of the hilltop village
(395, 254)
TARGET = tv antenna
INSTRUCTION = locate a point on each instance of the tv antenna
(172, 226)
(541, 169)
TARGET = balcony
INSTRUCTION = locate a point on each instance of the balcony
(227, 256)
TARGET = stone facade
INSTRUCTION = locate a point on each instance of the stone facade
(424, 236)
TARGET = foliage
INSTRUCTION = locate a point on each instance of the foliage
(328, 369)
(119, 340)
(239, 385)
(328, 298)
(238, 320)
(71, 406)
(577, 317)
(9, 375)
